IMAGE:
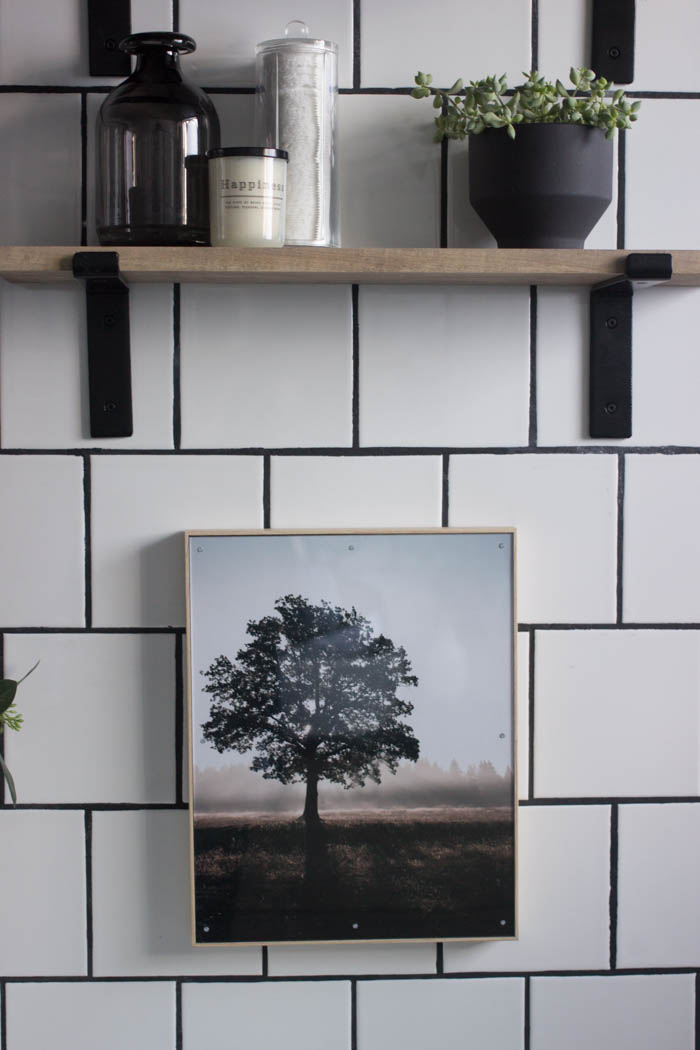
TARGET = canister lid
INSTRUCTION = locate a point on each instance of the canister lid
(296, 35)
(248, 151)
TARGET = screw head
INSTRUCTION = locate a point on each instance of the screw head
(614, 52)
(110, 407)
(109, 320)
(110, 44)
(611, 322)
(611, 408)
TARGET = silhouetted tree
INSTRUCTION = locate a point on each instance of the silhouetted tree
(314, 695)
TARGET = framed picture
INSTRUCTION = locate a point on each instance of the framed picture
(351, 700)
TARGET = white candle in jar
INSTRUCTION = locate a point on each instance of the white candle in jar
(247, 196)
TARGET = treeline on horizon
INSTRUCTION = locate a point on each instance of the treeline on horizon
(237, 789)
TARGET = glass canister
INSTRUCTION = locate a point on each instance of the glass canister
(297, 90)
(153, 132)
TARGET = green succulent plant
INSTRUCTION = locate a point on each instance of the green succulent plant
(12, 718)
(487, 103)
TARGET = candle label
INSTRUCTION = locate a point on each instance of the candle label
(247, 196)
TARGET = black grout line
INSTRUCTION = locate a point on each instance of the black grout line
(532, 431)
(353, 1015)
(87, 519)
(179, 721)
(621, 187)
(3, 1016)
(93, 630)
(88, 888)
(445, 517)
(526, 1013)
(534, 36)
(356, 44)
(614, 850)
(439, 958)
(176, 16)
(444, 191)
(615, 800)
(619, 597)
(371, 450)
(265, 961)
(102, 807)
(697, 1011)
(266, 492)
(531, 718)
(522, 628)
(355, 366)
(177, 400)
(83, 169)
(178, 1015)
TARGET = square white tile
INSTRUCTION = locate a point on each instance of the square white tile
(412, 1015)
(662, 515)
(226, 36)
(40, 178)
(444, 366)
(447, 40)
(44, 395)
(599, 726)
(266, 366)
(293, 960)
(662, 205)
(42, 930)
(141, 901)
(564, 36)
(140, 509)
(390, 173)
(306, 1016)
(665, 373)
(46, 41)
(42, 541)
(84, 1016)
(658, 903)
(338, 492)
(120, 690)
(563, 892)
(566, 543)
(608, 1013)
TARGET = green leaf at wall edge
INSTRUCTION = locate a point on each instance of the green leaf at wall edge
(10, 782)
(8, 689)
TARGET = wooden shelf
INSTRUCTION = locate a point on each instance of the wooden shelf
(39, 265)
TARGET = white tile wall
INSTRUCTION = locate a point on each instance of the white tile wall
(659, 908)
(406, 1015)
(646, 1012)
(141, 901)
(140, 508)
(564, 33)
(444, 366)
(563, 892)
(399, 39)
(662, 517)
(597, 694)
(116, 688)
(42, 541)
(44, 370)
(42, 923)
(272, 365)
(291, 961)
(390, 173)
(356, 492)
(226, 36)
(313, 1016)
(85, 1016)
(40, 175)
(663, 210)
(566, 543)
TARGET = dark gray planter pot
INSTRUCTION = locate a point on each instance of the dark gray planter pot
(546, 188)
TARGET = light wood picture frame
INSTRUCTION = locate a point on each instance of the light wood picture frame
(352, 735)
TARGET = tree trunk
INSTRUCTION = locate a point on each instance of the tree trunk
(311, 804)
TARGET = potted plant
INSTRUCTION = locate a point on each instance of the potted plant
(546, 184)
(12, 718)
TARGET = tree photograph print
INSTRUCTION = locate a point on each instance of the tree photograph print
(352, 735)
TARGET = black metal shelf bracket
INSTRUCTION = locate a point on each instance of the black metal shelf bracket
(109, 21)
(610, 403)
(612, 43)
(108, 338)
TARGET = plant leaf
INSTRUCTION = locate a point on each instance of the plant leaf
(8, 688)
(10, 782)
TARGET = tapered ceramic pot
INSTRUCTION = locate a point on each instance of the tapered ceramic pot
(546, 188)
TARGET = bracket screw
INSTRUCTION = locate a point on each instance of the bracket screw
(109, 320)
(611, 322)
(110, 44)
(109, 407)
(614, 52)
(611, 408)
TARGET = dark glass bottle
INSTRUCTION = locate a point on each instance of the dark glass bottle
(153, 132)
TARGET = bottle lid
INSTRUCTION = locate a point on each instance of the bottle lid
(179, 42)
(296, 35)
(248, 151)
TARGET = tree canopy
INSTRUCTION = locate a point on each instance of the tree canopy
(313, 696)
